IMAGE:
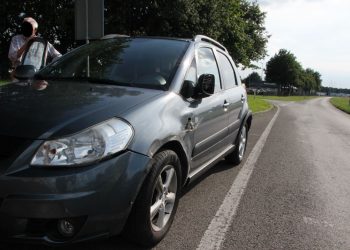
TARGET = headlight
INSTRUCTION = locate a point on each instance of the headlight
(88, 146)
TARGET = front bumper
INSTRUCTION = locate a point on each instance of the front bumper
(96, 198)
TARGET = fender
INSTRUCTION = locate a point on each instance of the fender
(247, 119)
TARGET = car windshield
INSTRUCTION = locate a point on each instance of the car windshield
(140, 62)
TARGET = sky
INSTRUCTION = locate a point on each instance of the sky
(317, 32)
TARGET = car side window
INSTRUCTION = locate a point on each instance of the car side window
(227, 72)
(207, 65)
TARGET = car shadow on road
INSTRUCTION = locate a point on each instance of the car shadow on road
(105, 244)
(219, 167)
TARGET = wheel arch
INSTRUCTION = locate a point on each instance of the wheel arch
(179, 150)
(248, 118)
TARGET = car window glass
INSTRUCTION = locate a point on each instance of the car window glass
(138, 62)
(227, 71)
(207, 65)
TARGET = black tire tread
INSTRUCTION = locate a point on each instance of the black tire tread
(138, 228)
(233, 157)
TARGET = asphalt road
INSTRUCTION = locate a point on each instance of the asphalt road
(297, 197)
(299, 194)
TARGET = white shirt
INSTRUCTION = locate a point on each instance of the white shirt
(18, 41)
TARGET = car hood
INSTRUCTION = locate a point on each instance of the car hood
(41, 110)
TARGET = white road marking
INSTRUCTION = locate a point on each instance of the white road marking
(214, 236)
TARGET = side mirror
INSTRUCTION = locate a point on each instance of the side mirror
(24, 72)
(187, 90)
(205, 86)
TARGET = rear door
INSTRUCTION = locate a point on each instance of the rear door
(234, 92)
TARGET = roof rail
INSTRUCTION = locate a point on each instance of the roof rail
(198, 38)
(110, 36)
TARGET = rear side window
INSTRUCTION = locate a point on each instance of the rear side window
(227, 71)
(207, 65)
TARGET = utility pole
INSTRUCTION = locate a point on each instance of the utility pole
(87, 36)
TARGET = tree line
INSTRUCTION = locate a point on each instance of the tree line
(237, 24)
(331, 90)
(289, 75)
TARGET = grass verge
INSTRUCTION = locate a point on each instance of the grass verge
(2, 82)
(258, 104)
(288, 98)
(341, 103)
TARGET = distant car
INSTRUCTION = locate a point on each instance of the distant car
(101, 141)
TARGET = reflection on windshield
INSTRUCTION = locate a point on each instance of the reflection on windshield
(138, 62)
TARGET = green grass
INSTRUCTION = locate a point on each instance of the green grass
(341, 103)
(258, 104)
(288, 98)
(2, 82)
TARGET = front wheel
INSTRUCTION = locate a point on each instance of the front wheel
(156, 204)
(237, 155)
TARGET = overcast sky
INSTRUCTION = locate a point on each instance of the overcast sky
(317, 32)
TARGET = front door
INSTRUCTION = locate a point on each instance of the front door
(209, 114)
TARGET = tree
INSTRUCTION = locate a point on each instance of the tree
(284, 70)
(55, 18)
(318, 80)
(253, 77)
(306, 80)
(237, 24)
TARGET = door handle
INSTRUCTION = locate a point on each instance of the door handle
(242, 98)
(226, 104)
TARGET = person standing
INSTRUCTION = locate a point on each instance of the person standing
(19, 42)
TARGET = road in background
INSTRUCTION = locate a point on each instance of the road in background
(299, 194)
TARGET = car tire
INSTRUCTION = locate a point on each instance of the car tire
(155, 207)
(237, 155)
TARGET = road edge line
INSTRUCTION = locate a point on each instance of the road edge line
(214, 236)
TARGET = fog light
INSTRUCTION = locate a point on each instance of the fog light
(65, 228)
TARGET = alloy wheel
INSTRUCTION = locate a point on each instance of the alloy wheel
(242, 143)
(163, 198)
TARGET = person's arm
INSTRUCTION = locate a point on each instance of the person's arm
(53, 53)
(22, 49)
(16, 50)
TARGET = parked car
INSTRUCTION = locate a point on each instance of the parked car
(102, 141)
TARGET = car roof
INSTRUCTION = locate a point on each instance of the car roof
(112, 36)
(196, 39)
